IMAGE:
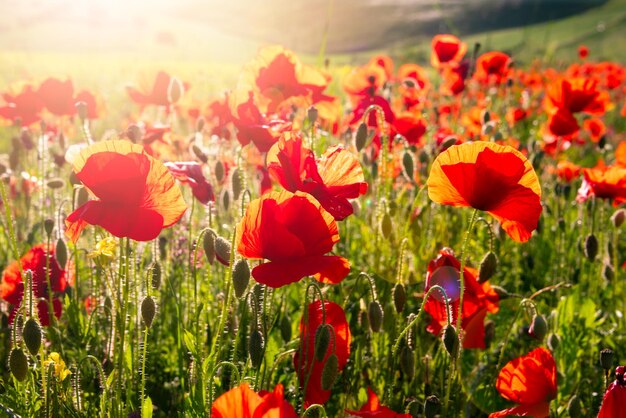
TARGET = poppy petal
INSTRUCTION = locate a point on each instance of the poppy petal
(326, 269)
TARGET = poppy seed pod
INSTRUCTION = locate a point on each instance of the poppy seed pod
(607, 356)
(32, 336)
(222, 250)
(322, 341)
(575, 407)
(360, 139)
(241, 277)
(208, 245)
(488, 267)
(48, 226)
(618, 218)
(330, 371)
(591, 247)
(148, 311)
(375, 316)
(60, 253)
(256, 348)
(312, 114)
(538, 327)
(399, 297)
(18, 363)
(451, 341)
(432, 406)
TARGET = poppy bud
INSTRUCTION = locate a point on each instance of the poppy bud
(329, 372)
(200, 124)
(14, 159)
(241, 277)
(488, 267)
(48, 226)
(607, 272)
(408, 165)
(363, 321)
(451, 341)
(432, 406)
(18, 363)
(486, 117)
(575, 407)
(490, 332)
(256, 348)
(414, 408)
(553, 342)
(225, 199)
(237, 183)
(82, 196)
(538, 327)
(175, 90)
(55, 183)
(375, 315)
(501, 292)
(423, 157)
(200, 155)
(591, 247)
(360, 138)
(133, 132)
(32, 336)
(607, 356)
(220, 171)
(399, 297)
(222, 250)
(81, 109)
(155, 274)
(285, 328)
(407, 362)
(448, 142)
(208, 244)
(386, 225)
(60, 253)
(618, 218)
(311, 114)
(322, 341)
(148, 310)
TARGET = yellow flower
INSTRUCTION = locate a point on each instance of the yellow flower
(60, 371)
(105, 251)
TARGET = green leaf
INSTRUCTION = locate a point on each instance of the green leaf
(190, 342)
(146, 408)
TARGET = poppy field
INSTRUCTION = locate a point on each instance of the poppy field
(398, 239)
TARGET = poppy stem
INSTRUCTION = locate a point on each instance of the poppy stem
(462, 280)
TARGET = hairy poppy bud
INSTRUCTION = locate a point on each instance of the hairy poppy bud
(237, 183)
(285, 328)
(222, 250)
(208, 245)
(538, 327)
(501, 292)
(618, 218)
(575, 407)
(225, 197)
(241, 277)
(329, 372)
(360, 139)
(490, 332)
(55, 183)
(155, 274)
(432, 406)
(18, 363)
(311, 114)
(408, 165)
(175, 90)
(553, 342)
(451, 341)
(48, 226)
(81, 109)
(32, 336)
(322, 341)
(200, 155)
(148, 310)
(607, 356)
(486, 116)
(200, 124)
(407, 362)
(591, 247)
(488, 267)
(60, 253)
(256, 348)
(220, 171)
(399, 297)
(375, 315)
(386, 225)
(82, 196)
(133, 132)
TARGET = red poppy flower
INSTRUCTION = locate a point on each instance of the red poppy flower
(137, 195)
(243, 402)
(567, 171)
(615, 396)
(446, 49)
(373, 409)
(365, 81)
(58, 96)
(411, 127)
(576, 95)
(530, 381)
(454, 79)
(155, 95)
(477, 300)
(561, 122)
(311, 368)
(293, 232)
(583, 52)
(24, 107)
(191, 173)
(604, 182)
(385, 62)
(492, 67)
(596, 128)
(494, 178)
(12, 287)
(94, 108)
(333, 179)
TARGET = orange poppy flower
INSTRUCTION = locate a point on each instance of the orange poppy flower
(615, 397)
(576, 95)
(567, 170)
(373, 409)
(620, 154)
(243, 402)
(24, 107)
(492, 67)
(137, 195)
(310, 371)
(446, 49)
(385, 62)
(479, 299)
(58, 96)
(604, 182)
(157, 94)
(494, 178)
(530, 381)
(365, 81)
(293, 232)
(454, 78)
(595, 127)
(12, 286)
(336, 177)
